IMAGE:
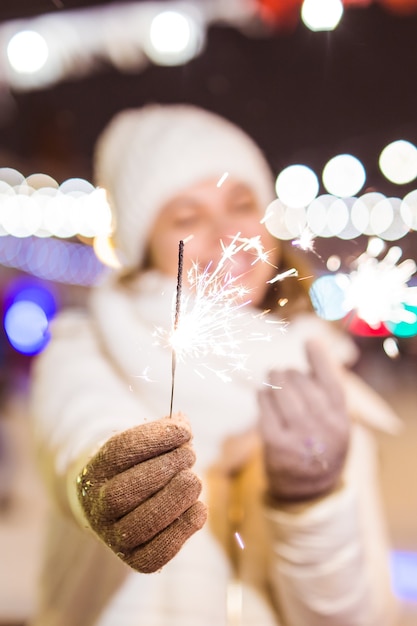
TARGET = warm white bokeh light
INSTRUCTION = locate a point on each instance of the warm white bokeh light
(170, 32)
(409, 208)
(398, 162)
(349, 231)
(275, 221)
(11, 176)
(105, 251)
(6, 191)
(76, 186)
(38, 206)
(381, 216)
(317, 215)
(333, 263)
(174, 38)
(361, 211)
(27, 52)
(398, 227)
(39, 181)
(297, 185)
(375, 246)
(295, 220)
(320, 15)
(20, 217)
(337, 216)
(57, 216)
(330, 216)
(390, 347)
(344, 175)
(96, 214)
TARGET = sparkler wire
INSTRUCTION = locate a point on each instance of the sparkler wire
(177, 317)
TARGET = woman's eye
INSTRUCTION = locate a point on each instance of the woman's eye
(185, 220)
(245, 206)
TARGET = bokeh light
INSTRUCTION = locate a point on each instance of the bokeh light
(337, 216)
(39, 206)
(174, 38)
(381, 217)
(333, 263)
(358, 326)
(11, 176)
(408, 209)
(361, 211)
(105, 252)
(398, 162)
(344, 175)
(320, 15)
(295, 220)
(327, 294)
(375, 246)
(349, 231)
(275, 221)
(27, 52)
(404, 574)
(52, 260)
(405, 328)
(297, 185)
(29, 307)
(317, 214)
(19, 216)
(26, 327)
(399, 222)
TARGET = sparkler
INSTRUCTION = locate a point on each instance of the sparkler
(378, 289)
(177, 317)
(306, 241)
(210, 318)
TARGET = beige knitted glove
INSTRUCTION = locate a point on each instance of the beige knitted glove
(139, 494)
(305, 428)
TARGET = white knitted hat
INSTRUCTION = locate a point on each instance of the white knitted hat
(146, 156)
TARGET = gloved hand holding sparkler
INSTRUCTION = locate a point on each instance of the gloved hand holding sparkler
(139, 494)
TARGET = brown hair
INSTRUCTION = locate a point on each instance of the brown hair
(291, 295)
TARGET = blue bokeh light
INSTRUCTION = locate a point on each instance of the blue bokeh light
(29, 306)
(404, 574)
(327, 295)
(26, 326)
(405, 329)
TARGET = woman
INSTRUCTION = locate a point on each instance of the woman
(261, 505)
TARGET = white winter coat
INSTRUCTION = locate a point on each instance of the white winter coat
(107, 369)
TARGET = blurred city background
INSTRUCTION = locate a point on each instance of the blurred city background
(328, 90)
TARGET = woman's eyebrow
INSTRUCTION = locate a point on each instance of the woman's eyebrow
(181, 202)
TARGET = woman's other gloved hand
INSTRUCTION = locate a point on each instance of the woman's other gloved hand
(304, 428)
(139, 494)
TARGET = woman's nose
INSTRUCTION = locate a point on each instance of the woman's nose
(223, 229)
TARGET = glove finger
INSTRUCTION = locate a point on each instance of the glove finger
(319, 411)
(153, 555)
(138, 444)
(327, 372)
(283, 405)
(124, 492)
(271, 423)
(156, 513)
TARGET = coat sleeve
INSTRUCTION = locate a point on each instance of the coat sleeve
(77, 401)
(330, 559)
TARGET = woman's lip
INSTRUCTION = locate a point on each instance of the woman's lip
(240, 267)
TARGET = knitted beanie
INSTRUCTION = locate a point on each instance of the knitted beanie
(146, 156)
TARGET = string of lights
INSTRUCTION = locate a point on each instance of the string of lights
(39, 51)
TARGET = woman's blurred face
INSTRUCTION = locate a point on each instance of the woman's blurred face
(205, 215)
